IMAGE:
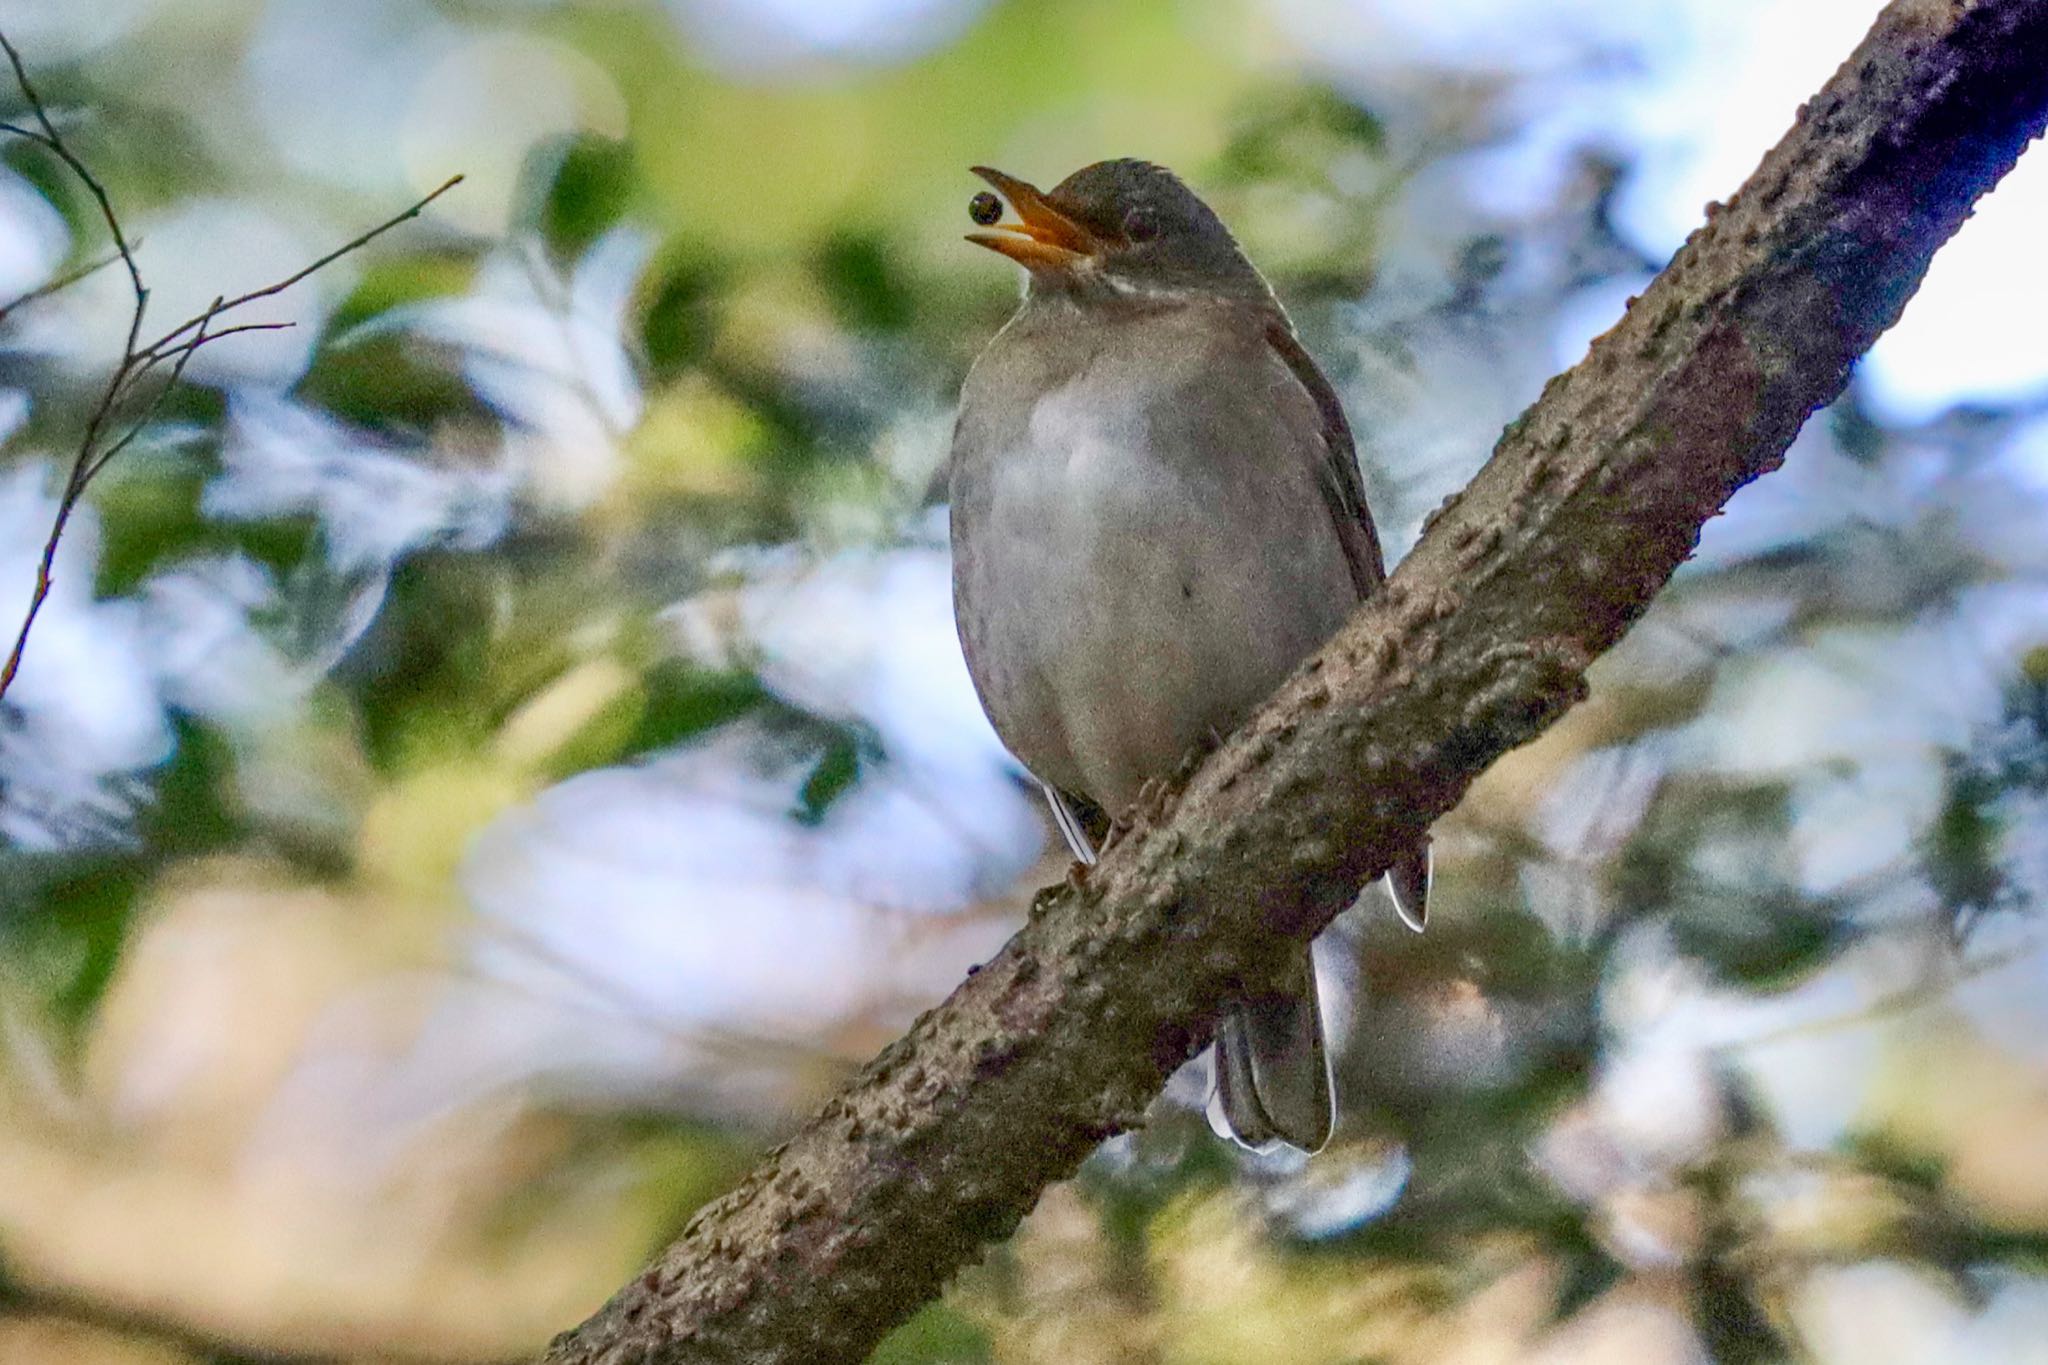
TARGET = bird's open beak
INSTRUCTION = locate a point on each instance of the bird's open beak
(1045, 239)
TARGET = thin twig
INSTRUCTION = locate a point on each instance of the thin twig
(151, 359)
(355, 244)
(59, 284)
(28, 133)
(185, 354)
(175, 347)
(54, 140)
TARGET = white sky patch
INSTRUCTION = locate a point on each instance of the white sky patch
(1973, 334)
(863, 637)
(208, 655)
(200, 250)
(213, 636)
(376, 502)
(683, 891)
(1894, 1312)
(768, 38)
(2026, 456)
(391, 96)
(1860, 720)
(85, 703)
(488, 102)
(1690, 94)
(33, 238)
(686, 885)
(49, 33)
(549, 355)
(332, 83)
(375, 499)
(1590, 312)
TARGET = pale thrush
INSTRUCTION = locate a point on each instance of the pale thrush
(1157, 514)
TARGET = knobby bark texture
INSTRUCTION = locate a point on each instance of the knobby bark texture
(1479, 641)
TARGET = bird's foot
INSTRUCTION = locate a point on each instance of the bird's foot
(1119, 826)
(1157, 796)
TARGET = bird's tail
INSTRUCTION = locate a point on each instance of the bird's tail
(1272, 1068)
(1272, 1064)
(1408, 880)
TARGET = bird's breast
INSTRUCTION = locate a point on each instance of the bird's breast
(1124, 597)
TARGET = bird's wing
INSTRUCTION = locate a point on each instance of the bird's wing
(1344, 495)
(1343, 490)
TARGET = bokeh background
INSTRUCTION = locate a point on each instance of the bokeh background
(497, 752)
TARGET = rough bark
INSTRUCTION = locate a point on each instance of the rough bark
(1480, 640)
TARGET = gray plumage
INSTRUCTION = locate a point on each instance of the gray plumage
(1156, 515)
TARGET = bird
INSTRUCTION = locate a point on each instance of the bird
(1156, 513)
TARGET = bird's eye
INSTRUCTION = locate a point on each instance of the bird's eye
(1140, 226)
(984, 208)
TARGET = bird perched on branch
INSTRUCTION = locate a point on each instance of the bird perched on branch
(1157, 514)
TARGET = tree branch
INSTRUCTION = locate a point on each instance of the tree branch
(1481, 640)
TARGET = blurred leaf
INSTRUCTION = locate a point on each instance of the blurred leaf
(684, 1163)
(53, 180)
(189, 814)
(1589, 1270)
(682, 701)
(837, 769)
(149, 513)
(1503, 954)
(1963, 844)
(1469, 1182)
(1755, 941)
(151, 517)
(680, 319)
(938, 1335)
(1480, 263)
(672, 1167)
(389, 381)
(1173, 1153)
(280, 544)
(795, 433)
(1294, 132)
(429, 653)
(65, 949)
(64, 916)
(602, 737)
(1731, 1323)
(579, 186)
(867, 291)
(144, 153)
(1883, 1153)
(382, 378)
(396, 281)
(1855, 434)
(694, 442)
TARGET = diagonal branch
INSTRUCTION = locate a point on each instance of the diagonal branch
(45, 132)
(57, 284)
(1482, 639)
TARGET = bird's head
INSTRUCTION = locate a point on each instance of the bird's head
(1126, 227)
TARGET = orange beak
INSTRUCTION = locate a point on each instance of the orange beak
(1046, 239)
